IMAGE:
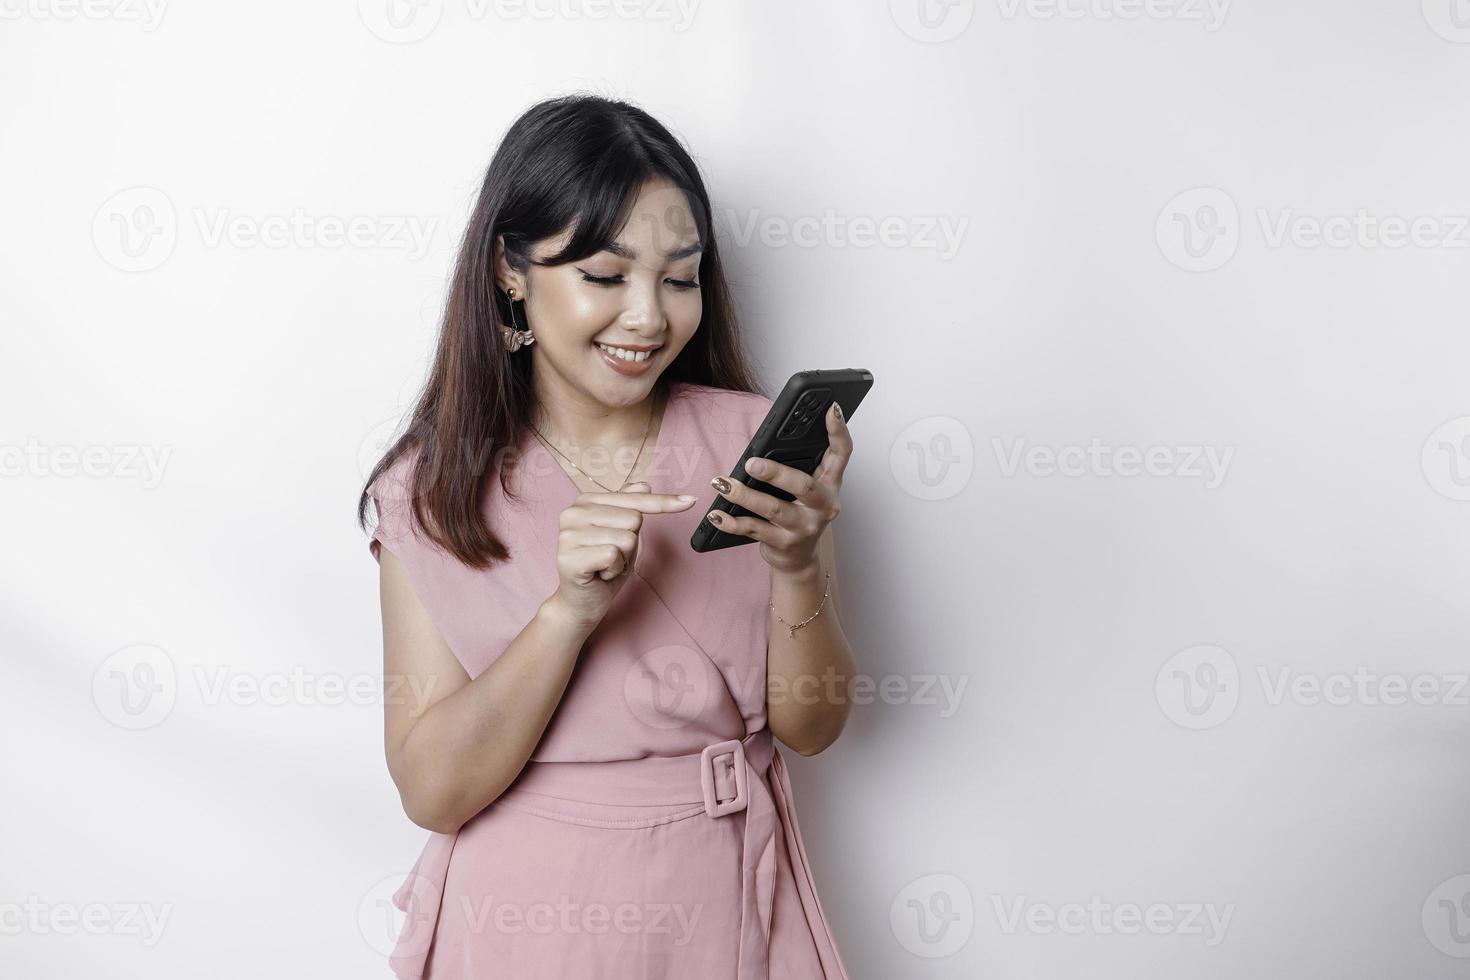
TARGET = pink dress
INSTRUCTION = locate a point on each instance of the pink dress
(653, 833)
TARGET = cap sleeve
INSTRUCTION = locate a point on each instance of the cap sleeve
(390, 494)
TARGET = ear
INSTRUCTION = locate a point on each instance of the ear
(505, 276)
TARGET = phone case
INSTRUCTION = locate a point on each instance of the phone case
(794, 433)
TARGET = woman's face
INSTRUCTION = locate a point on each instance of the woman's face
(641, 293)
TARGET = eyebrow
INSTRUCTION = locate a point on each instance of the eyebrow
(678, 253)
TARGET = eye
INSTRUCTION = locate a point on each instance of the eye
(681, 284)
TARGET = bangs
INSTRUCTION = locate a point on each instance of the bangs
(598, 207)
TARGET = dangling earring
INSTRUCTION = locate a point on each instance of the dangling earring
(515, 338)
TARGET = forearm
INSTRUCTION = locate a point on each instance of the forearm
(810, 673)
(465, 750)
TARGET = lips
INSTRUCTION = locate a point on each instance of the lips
(626, 366)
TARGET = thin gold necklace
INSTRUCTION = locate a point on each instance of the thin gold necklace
(646, 426)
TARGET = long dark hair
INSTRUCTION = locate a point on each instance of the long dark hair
(573, 159)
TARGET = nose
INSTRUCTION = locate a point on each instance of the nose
(644, 312)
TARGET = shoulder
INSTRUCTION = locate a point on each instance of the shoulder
(392, 494)
(742, 411)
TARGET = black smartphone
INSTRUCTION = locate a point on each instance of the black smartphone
(794, 433)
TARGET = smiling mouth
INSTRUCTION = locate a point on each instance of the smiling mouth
(625, 354)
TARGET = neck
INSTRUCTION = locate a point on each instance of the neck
(567, 416)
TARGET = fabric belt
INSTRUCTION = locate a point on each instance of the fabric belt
(728, 777)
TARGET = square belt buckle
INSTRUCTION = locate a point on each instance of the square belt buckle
(707, 758)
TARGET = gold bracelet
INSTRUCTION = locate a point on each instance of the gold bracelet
(813, 616)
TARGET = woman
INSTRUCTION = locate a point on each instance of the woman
(582, 715)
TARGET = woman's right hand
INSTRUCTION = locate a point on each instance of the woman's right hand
(597, 546)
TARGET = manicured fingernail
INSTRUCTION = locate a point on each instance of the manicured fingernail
(755, 467)
(715, 517)
(688, 498)
(720, 483)
(837, 410)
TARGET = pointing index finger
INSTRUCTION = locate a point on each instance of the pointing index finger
(641, 500)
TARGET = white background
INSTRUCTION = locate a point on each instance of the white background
(1121, 735)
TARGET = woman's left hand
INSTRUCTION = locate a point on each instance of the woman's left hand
(788, 530)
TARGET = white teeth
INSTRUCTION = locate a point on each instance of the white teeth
(625, 355)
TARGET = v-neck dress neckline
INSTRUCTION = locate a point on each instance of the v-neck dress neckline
(667, 436)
